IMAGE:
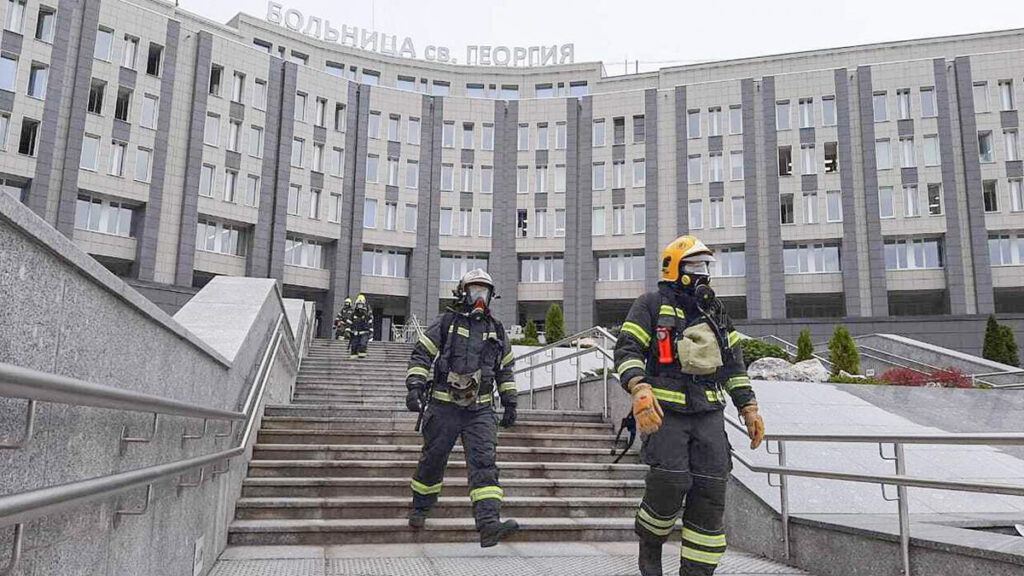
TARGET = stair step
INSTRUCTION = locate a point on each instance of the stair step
(411, 452)
(342, 410)
(395, 486)
(397, 507)
(510, 438)
(405, 424)
(456, 469)
(396, 531)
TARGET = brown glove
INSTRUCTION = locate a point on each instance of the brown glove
(646, 409)
(754, 423)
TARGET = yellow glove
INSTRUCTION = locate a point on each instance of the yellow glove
(646, 409)
(754, 423)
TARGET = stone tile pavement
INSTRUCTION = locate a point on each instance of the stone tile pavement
(514, 559)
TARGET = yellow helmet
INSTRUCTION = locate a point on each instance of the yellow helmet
(685, 248)
(361, 299)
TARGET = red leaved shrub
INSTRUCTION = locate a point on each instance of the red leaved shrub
(950, 378)
(947, 378)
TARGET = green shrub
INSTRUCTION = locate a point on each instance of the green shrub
(1000, 345)
(804, 348)
(838, 379)
(554, 324)
(754, 349)
(1009, 346)
(843, 352)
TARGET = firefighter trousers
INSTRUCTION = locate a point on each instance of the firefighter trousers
(358, 342)
(689, 462)
(443, 424)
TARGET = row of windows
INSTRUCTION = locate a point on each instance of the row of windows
(117, 156)
(389, 216)
(386, 263)
(103, 216)
(304, 252)
(1006, 249)
(104, 50)
(811, 207)
(222, 238)
(148, 113)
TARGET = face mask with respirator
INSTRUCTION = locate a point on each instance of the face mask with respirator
(478, 297)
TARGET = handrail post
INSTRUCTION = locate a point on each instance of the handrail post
(784, 500)
(533, 403)
(553, 368)
(12, 565)
(579, 375)
(604, 387)
(904, 509)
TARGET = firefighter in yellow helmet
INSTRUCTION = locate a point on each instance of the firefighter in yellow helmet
(678, 356)
(361, 327)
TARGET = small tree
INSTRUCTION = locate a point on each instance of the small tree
(554, 324)
(843, 352)
(993, 348)
(804, 348)
(1010, 355)
(530, 336)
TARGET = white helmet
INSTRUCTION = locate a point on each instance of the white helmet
(475, 277)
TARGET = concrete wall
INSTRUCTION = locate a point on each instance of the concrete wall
(65, 314)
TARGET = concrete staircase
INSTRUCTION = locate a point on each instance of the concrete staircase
(334, 466)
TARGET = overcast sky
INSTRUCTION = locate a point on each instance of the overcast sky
(657, 33)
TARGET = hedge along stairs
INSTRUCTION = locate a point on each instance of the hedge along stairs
(334, 466)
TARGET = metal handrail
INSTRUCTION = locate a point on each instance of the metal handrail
(25, 506)
(900, 479)
(825, 361)
(576, 339)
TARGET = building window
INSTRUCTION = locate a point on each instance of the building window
(373, 125)
(153, 59)
(299, 251)
(467, 135)
(522, 224)
(318, 158)
(256, 141)
(618, 178)
(234, 128)
(542, 136)
(90, 152)
(259, 95)
(392, 174)
(486, 179)
(696, 214)
(782, 115)
(448, 135)
(831, 157)
(828, 111)
(807, 160)
(834, 206)
(143, 164)
(45, 24)
(540, 226)
(886, 205)
(298, 58)
(739, 211)
(104, 44)
(931, 150)
(29, 135)
(639, 218)
(150, 111)
(559, 223)
(412, 174)
(337, 162)
(935, 199)
(118, 152)
(618, 220)
(299, 153)
(103, 216)
(561, 130)
(413, 131)
(15, 15)
(810, 207)
(639, 175)
(339, 118)
(694, 169)
(1006, 95)
(620, 267)
(538, 269)
(903, 103)
(446, 222)
(985, 152)
(467, 178)
(729, 262)
(252, 190)
(477, 91)
(807, 113)
(911, 202)
(487, 137)
(123, 104)
(294, 191)
(370, 213)
(237, 87)
(523, 137)
(907, 158)
(639, 129)
(447, 177)
(785, 160)
(8, 72)
(5, 127)
(206, 175)
(542, 178)
(97, 88)
(597, 223)
(990, 195)
(1016, 196)
(883, 154)
(1012, 147)
(928, 105)
(130, 53)
(372, 163)
(216, 74)
(693, 123)
(735, 120)
(1006, 249)
(715, 171)
(715, 209)
(598, 176)
(390, 215)
(221, 238)
(385, 263)
(410, 218)
(980, 97)
(880, 106)
(230, 182)
(714, 121)
(440, 88)
(455, 266)
(913, 253)
(786, 211)
(394, 123)
(485, 223)
(37, 80)
(811, 258)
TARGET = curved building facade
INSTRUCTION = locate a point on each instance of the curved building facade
(865, 182)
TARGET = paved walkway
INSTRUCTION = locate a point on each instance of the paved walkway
(516, 559)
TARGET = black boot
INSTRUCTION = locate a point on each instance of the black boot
(417, 518)
(650, 558)
(493, 533)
